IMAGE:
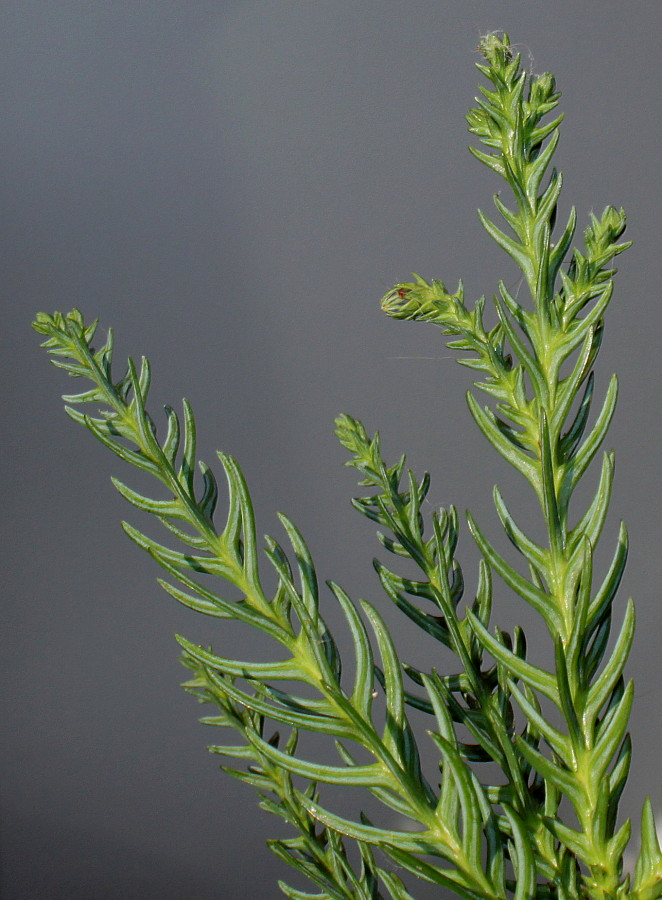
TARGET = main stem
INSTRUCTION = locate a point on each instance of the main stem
(604, 875)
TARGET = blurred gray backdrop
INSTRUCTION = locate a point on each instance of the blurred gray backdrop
(232, 185)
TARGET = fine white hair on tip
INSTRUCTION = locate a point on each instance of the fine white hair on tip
(495, 33)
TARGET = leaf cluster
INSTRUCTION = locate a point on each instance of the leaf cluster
(546, 825)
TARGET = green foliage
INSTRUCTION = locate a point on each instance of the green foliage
(552, 735)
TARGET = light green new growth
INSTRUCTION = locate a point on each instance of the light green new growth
(554, 735)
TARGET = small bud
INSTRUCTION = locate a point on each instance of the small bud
(495, 47)
(542, 89)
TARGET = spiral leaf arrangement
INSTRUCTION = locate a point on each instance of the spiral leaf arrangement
(554, 735)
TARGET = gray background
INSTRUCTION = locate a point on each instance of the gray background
(233, 185)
